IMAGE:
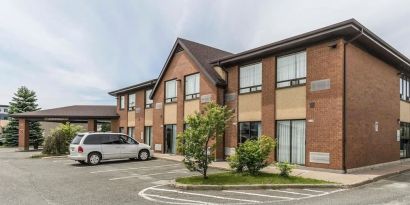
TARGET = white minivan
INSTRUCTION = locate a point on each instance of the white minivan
(91, 148)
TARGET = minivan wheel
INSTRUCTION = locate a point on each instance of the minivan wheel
(143, 155)
(94, 158)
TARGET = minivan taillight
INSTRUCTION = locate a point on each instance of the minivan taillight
(80, 149)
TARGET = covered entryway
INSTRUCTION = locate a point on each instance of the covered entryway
(90, 114)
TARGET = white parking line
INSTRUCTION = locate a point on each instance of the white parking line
(148, 175)
(135, 168)
(263, 195)
(205, 195)
(317, 191)
(175, 199)
(291, 192)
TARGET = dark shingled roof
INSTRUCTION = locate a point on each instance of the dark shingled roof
(75, 111)
(201, 54)
(146, 84)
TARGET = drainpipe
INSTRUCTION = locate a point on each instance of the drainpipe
(344, 97)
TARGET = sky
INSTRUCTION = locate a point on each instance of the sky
(73, 52)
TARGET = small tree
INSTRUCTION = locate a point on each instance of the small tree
(105, 127)
(60, 138)
(24, 100)
(252, 156)
(201, 129)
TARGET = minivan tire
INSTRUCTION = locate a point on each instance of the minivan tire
(143, 155)
(94, 158)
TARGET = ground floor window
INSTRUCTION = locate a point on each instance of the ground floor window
(148, 135)
(131, 132)
(121, 130)
(404, 140)
(249, 130)
(291, 141)
(170, 139)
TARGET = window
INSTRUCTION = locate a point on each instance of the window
(131, 102)
(291, 70)
(94, 139)
(291, 141)
(250, 78)
(249, 131)
(404, 140)
(121, 130)
(6, 110)
(192, 86)
(131, 132)
(122, 102)
(148, 135)
(405, 88)
(112, 139)
(170, 91)
(77, 139)
(148, 101)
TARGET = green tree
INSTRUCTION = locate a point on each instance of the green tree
(60, 138)
(105, 127)
(194, 142)
(24, 100)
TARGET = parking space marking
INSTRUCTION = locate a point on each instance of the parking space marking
(175, 199)
(148, 175)
(134, 168)
(291, 192)
(263, 195)
(317, 191)
(205, 195)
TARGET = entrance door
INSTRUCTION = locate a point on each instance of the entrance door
(291, 141)
(404, 140)
(170, 139)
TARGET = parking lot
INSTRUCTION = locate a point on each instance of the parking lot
(62, 181)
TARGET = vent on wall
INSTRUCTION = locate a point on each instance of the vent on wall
(318, 85)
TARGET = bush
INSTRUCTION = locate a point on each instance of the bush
(252, 155)
(59, 140)
(284, 168)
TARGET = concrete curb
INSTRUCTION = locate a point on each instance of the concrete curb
(253, 186)
(55, 157)
(375, 179)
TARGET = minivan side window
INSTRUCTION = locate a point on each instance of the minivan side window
(77, 139)
(94, 139)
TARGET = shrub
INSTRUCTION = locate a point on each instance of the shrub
(284, 168)
(252, 156)
(60, 138)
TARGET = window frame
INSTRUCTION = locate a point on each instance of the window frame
(290, 133)
(128, 132)
(253, 88)
(404, 88)
(122, 102)
(196, 95)
(172, 99)
(131, 108)
(150, 137)
(239, 142)
(295, 82)
(148, 105)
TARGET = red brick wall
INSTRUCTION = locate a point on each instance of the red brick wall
(231, 139)
(372, 95)
(325, 133)
(139, 116)
(123, 120)
(180, 66)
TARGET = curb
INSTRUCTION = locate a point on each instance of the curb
(54, 157)
(253, 186)
(376, 178)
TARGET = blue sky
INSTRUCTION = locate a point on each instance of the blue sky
(75, 51)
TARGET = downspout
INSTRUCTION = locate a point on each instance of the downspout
(344, 97)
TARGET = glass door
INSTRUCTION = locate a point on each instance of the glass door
(291, 141)
(170, 139)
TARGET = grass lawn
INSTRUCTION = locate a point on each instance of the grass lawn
(232, 178)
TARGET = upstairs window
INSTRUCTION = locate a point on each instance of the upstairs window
(192, 86)
(170, 91)
(405, 88)
(131, 102)
(250, 78)
(148, 102)
(122, 102)
(291, 70)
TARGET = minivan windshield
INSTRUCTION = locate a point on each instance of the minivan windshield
(77, 139)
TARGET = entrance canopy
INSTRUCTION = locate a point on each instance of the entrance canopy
(77, 113)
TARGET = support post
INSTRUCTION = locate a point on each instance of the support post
(114, 126)
(23, 135)
(92, 125)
